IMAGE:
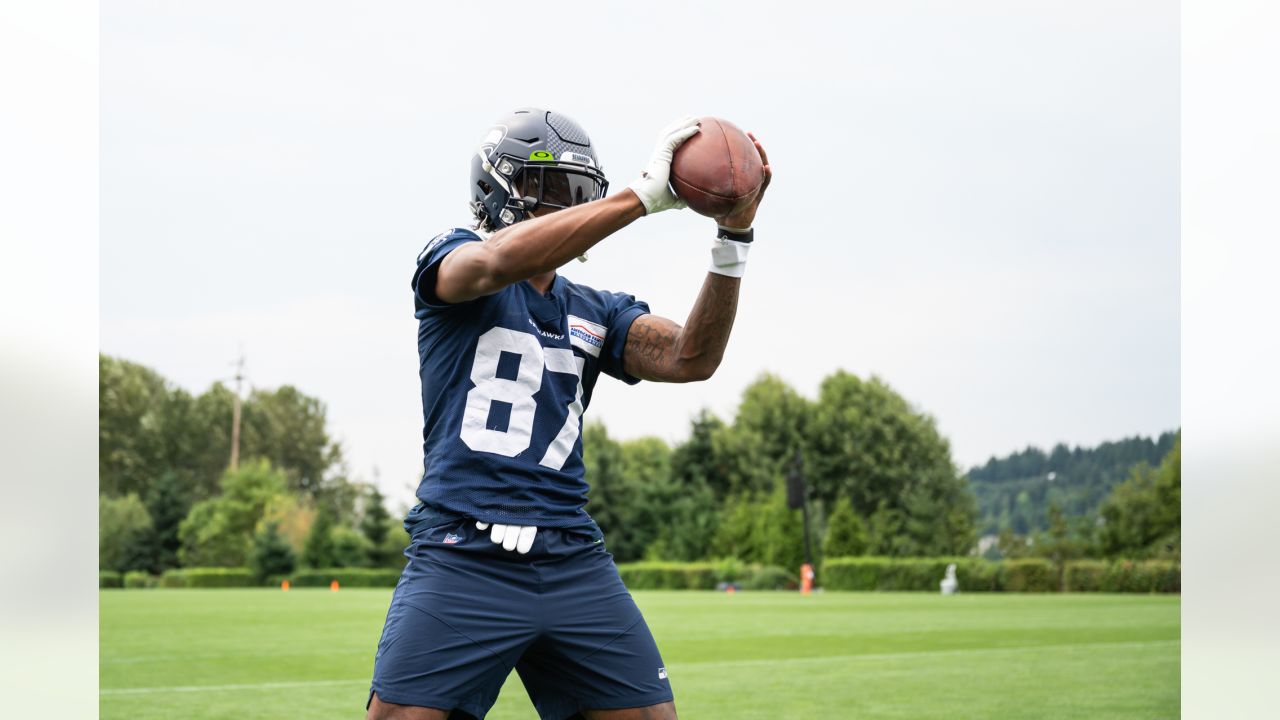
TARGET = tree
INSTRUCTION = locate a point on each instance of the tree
(376, 526)
(271, 554)
(318, 552)
(846, 535)
(776, 417)
(168, 501)
(762, 529)
(870, 446)
(1143, 515)
(123, 526)
(288, 428)
(218, 532)
(350, 548)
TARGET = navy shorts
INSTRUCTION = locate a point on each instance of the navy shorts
(466, 612)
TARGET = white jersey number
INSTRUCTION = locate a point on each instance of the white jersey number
(518, 393)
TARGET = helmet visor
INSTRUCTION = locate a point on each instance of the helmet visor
(560, 187)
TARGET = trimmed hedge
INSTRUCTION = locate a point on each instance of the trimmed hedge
(770, 577)
(346, 577)
(1022, 575)
(1028, 575)
(206, 577)
(892, 574)
(109, 579)
(1124, 576)
(653, 575)
(668, 576)
(137, 579)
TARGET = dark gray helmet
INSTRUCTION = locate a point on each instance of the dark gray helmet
(529, 159)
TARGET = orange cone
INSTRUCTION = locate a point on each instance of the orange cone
(334, 586)
(284, 585)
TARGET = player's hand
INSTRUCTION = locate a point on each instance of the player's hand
(742, 219)
(512, 537)
(653, 186)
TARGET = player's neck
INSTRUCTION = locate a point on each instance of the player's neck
(542, 283)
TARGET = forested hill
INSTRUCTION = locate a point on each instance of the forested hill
(1015, 492)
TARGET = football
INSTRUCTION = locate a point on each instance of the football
(718, 170)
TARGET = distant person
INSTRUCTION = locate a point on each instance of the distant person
(506, 569)
(949, 583)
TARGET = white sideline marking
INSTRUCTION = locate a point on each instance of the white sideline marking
(706, 663)
(220, 688)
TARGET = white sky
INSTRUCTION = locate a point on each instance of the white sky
(976, 201)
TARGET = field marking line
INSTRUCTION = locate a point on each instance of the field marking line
(220, 688)
(675, 666)
(920, 653)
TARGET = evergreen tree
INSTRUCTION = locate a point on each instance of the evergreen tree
(318, 551)
(271, 554)
(846, 535)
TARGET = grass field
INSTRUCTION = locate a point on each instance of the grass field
(308, 654)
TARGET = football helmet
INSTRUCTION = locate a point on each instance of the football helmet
(529, 159)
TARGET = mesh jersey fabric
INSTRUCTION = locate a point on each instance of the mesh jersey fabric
(505, 381)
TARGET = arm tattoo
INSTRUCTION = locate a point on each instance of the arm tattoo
(650, 348)
(659, 349)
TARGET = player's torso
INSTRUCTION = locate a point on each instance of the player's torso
(505, 381)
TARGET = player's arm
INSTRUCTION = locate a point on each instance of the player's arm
(532, 247)
(659, 349)
(542, 244)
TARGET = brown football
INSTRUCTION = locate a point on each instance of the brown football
(718, 170)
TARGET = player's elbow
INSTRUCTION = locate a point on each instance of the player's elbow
(699, 370)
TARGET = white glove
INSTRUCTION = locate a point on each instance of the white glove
(652, 187)
(512, 537)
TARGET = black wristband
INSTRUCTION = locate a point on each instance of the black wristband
(742, 237)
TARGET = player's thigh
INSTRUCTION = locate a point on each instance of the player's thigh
(459, 620)
(596, 652)
(379, 710)
(661, 711)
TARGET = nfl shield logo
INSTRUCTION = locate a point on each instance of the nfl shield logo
(451, 539)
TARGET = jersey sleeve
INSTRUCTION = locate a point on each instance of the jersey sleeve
(424, 278)
(623, 310)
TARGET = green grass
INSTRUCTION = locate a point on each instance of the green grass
(308, 654)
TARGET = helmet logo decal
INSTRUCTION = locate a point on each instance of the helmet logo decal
(577, 158)
(541, 156)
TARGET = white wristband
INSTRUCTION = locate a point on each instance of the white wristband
(729, 257)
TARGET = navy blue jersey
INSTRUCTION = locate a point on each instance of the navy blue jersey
(505, 381)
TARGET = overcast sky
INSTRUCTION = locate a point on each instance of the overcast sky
(976, 201)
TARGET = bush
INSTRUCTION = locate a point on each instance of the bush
(668, 576)
(882, 573)
(1029, 575)
(924, 574)
(109, 579)
(209, 577)
(770, 577)
(1084, 576)
(136, 579)
(1132, 576)
(346, 577)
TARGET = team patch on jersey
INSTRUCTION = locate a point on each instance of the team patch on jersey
(451, 539)
(586, 335)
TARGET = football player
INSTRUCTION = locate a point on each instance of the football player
(505, 567)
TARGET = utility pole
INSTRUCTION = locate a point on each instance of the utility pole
(797, 491)
(235, 415)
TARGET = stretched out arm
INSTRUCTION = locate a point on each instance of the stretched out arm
(542, 244)
(532, 247)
